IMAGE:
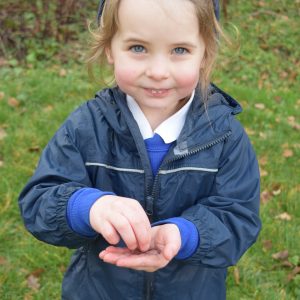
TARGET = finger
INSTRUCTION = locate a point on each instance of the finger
(140, 225)
(124, 229)
(109, 233)
(148, 260)
(111, 257)
(169, 251)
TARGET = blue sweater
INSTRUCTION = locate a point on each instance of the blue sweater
(80, 203)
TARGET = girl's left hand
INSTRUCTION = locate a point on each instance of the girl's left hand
(165, 244)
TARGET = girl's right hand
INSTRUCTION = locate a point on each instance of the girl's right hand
(119, 217)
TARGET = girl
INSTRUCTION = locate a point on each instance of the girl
(154, 181)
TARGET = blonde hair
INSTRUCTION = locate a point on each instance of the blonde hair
(209, 29)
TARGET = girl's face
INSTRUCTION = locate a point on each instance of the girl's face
(157, 53)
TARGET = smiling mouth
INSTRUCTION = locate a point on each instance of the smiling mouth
(157, 92)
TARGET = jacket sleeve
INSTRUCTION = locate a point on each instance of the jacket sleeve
(228, 220)
(61, 172)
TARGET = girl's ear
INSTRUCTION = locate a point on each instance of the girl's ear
(109, 57)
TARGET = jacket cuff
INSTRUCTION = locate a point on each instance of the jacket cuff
(190, 237)
(78, 210)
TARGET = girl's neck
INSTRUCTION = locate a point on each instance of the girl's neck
(156, 119)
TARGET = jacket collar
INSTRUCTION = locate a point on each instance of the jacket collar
(204, 121)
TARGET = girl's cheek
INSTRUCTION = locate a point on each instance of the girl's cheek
(125, 75)
(188, 79)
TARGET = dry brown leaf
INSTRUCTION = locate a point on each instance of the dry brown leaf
(292, 275)
(265, 197)
(263, 172)
(13, 102)
(3, 62)
(3, 261)
(34, 149)
(287, 153)
(249, 131)
(276, 189)
(48, 108)
(278, 99)
(236, 275)
(1, 163)
(33, 282)
(282, 255)
(267, 245)
(62, 73)
(2, 94)
(284, 217)
(260, 106)
(263, 160)
(262, 135)
(3, 133)
(286, 264)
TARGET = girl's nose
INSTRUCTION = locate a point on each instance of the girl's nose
(158, 69)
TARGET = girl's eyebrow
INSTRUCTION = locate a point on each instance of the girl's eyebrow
(177, 44)
(134, 40)
(184, 44)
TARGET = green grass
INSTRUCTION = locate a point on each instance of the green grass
(264, 71)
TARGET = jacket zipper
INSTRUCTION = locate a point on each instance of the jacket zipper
(151, 196)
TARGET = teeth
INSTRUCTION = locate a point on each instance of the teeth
(156, 91)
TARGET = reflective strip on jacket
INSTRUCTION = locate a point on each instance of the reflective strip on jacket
(210, 177)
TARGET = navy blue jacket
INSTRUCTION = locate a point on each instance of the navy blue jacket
(210, 177)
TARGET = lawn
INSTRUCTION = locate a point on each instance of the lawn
(262, 73)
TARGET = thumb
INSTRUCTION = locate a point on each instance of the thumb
(170, 251)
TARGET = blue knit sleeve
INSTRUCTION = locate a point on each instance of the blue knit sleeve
(190, 237)
(78, 210)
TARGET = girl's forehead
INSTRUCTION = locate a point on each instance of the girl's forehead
(157, 14)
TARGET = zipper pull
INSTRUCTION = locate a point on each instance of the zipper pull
(149, 206)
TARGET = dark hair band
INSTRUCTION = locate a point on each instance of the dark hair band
(102, 2)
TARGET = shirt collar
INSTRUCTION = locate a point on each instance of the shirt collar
(168, 130)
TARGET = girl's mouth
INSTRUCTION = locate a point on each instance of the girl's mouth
(157, 92)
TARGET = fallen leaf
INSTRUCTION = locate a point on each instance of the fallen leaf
(282, 255)
(292, 122)
(1, 163)
(293, 274)
(287, 153)
(284, 217)
(263, 172)
(34, 149)
(262, 135)
(38, 272)
(13, 102)
(265, 197)
(48, 108)
(260, 106)
(3, 261)
(62, 73)
(267, 245)
(33, 282)
(249, 131)
(278, 99)
(3, 134)
(3, 62)
(2, 95)
(236, 275)
(286, 264)
(263, 160)
(276, 189)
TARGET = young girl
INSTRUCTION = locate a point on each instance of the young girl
(154, 181)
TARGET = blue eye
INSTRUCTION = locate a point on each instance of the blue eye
(138, 49)
(180, 50)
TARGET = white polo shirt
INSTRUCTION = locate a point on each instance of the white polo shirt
(168, 130)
